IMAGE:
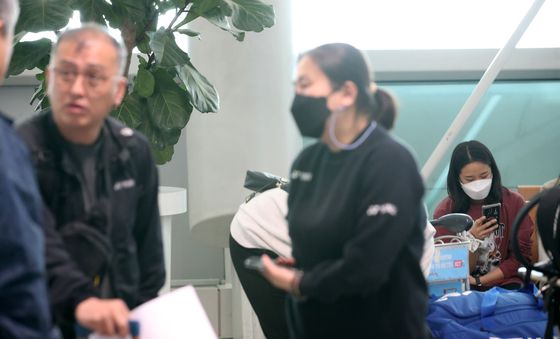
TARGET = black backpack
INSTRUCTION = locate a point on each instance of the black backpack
(259, 182)
(548, 215)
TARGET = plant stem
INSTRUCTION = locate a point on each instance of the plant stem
(128, 33)
(178, 14)
(151, 59)
(149, 23)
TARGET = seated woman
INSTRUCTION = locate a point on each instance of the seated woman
(474, 180)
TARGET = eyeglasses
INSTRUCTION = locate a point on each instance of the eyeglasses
(93, 79)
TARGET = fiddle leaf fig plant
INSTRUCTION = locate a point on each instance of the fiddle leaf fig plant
(167, 86)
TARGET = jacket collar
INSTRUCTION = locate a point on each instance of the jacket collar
(112, 148)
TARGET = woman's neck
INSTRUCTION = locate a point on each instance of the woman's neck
(349, 124)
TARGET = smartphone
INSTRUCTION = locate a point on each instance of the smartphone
(254, 263)
(492, 211)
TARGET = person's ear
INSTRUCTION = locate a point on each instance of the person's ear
(349, 92)
(4, 36)
(120, 91)
(2, 28)
(48, 79)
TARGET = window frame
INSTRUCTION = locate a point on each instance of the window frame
(462, 64)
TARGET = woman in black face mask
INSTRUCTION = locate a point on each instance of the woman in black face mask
(353, 212)
(342, 88)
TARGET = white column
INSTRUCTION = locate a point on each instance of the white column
(253, 130)
(172, 201)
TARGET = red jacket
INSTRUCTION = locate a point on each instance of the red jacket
(511, 204)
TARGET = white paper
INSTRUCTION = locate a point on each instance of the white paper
(174, 315)
(99, 336)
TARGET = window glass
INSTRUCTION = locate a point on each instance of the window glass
(518, 120)
(426, 24)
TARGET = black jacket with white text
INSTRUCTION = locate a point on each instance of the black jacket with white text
(125, 213)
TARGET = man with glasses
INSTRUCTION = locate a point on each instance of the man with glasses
(100, 184)
(24, 308)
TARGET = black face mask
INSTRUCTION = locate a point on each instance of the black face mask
(310, 114)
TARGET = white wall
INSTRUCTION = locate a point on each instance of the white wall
(14, 101)
(253, 129)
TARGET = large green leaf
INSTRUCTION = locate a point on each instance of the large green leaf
(144, 83)
(142, 62)
(163, 155)
(204, 96)
(144, 44)
(161, 142)
(158, 137)
(169, 105)
(189, 32)
(203, 6)
(198, 8)
(134, 10)
(170, 136)
(43, 15)
(216, 12)
(252, 15)
(40, 93)
(164, 6)
(92, 10)
(132, 111)
(179, 3)
(30, 54)
(219, 17)
(122, 11)
(150, 21)
(168, 54)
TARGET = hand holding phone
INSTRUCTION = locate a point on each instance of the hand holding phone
(284, 261)
(482, 228)
(254, 263)
(492, 211)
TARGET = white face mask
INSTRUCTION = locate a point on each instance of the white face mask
(478, 189)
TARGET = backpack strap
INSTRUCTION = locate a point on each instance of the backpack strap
(44, 148)
(547, 221)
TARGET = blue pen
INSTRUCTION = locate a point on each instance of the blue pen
(133, 325)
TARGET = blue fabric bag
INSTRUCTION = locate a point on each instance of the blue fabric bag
(497, 313)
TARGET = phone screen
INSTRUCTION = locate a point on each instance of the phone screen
(492, 211)
(254, 263)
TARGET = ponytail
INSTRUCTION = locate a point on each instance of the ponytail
(383, 108)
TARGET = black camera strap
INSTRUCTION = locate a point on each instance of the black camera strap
(547, 221)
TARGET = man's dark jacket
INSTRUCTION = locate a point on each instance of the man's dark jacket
(24, 309)
(127, 191)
